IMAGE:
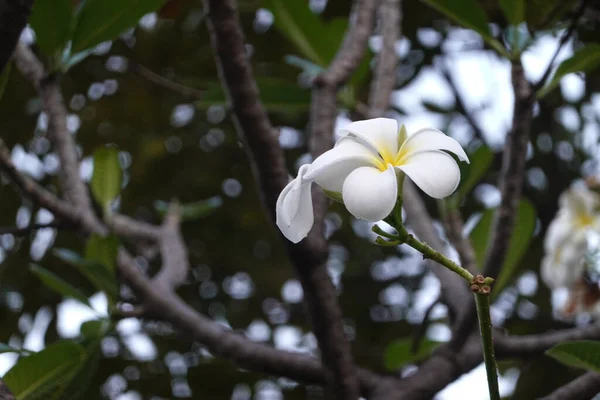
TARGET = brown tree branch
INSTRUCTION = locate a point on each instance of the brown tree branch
(73, 186)
(454, 225)
(173, 251)
(583, 388)
(13, 18)
(511, 182)
(161, 302)
(267, 161)
(384, 76)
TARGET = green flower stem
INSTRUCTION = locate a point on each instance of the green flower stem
(485, 328)
(429, 252)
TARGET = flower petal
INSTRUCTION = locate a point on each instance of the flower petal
(370, 194)
(435, 172)
(294, 209)
(429, 139)
(380, 133)
(331, 168)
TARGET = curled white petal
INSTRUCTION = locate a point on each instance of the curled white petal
(370, 194)
(434, 172)
(294, 209)
(331, 168)
(380, 133)
(429, 139)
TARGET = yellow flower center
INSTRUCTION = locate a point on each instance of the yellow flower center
(583, 220)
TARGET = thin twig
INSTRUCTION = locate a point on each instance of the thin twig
(584, 387)
(165, 83)
(461, 106)
(563, 40)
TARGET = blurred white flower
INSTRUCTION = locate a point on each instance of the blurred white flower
(363, 168)
(566, 240)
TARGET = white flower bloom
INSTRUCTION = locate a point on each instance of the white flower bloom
(362, 170)
(566, 241)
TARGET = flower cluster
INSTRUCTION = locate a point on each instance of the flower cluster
(568, 243)
(365, 170)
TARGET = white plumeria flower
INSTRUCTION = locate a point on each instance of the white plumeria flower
(363, 168)
(566, 241)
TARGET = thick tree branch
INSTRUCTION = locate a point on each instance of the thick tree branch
(73, 186)
(13, 18)
(268, 163)
(384, 76)
(583, 388)
(161, 302)
(173, 251)
(511, 181)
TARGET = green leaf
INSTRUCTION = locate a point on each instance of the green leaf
(51, 21)
(4, 348)
(4, 78)
(83, 377)
(103, 250)
(540, 376)
(191, 211)
(519, 241)
(578, 354)
(107, 176)
(514, 10)
(100, 20)
(57, 284)
(399, 353)
(584, 60)
(472, 173)
(277, 95)
(97, 274)
(295, 20)
(469, 14)
(95, 329)
(37, 375)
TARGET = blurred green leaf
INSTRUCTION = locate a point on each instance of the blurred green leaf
(399, 353)
(103, 250)
(277, 95)
(107, 176)
(472, 173)
(514, 10)
(4, 78)
(51, 21)
(541, 14)
(191, 211)
(583, 354)
(57, 284)
(539, 377)
(519, 241)
(100, 20)
(295, 20)
(4, 348)
(430, 106)
(584, 60)
(95, 329)
(36, 376)
(97, 274)
(69, 61)
(469, 14)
